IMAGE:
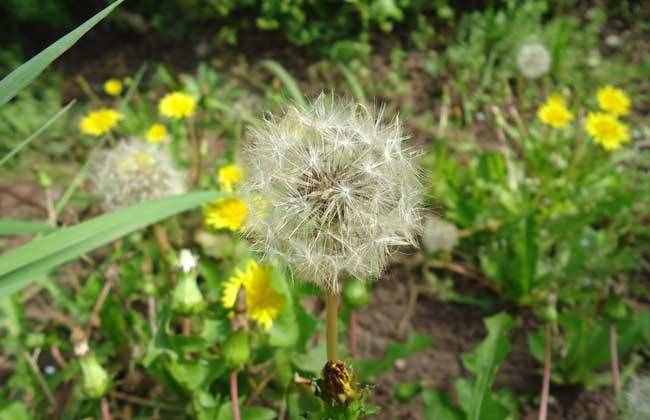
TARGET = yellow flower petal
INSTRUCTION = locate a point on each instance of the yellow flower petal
(229, 176)
(157, 133)
(177, 105)
(113, 87)
(614, 101)
(554, 112)
(607, 130)
(99, 122)
(226, 213)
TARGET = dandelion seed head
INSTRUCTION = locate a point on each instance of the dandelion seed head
(336, 190)
(132, 172)
(533, 60)
(637, 399)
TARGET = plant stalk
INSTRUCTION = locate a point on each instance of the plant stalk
(546, 382)
(234, 397)
(331, 307)
(613, 350)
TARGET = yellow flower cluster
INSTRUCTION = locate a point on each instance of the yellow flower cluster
(263, 302)
(177, 105)
(229, 176)
(605, 127)
(554, 112)
(226, 213)
(156, 133)
(99, 122)
(113, 87)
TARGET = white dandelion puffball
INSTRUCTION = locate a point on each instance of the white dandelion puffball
(533, 60)
(439, 235)
(132, 172)
(332, 190)
(637, 399)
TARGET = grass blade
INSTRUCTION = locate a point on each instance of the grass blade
(9, 227)
(27, 72)
(353, 84)
(289, 82)
(34, 260)
(37, 133)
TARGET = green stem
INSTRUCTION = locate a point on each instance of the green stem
(331, 306)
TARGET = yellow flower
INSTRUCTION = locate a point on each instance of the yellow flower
(113, 87)
(157, 133)
(99, 122)
(263, 303)
(229, 175)
(177, 105)
(226, 213)
(607, 130)
(613, 100)
(554, 112)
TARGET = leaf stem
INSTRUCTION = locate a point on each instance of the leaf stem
(613, 350)
(546, 382)
(331, 307)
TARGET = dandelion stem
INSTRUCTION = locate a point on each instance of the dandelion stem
(234, 398)
(613, 349)
(331, 306)
(546, 382)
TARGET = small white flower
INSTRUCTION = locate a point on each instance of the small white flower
(333, 191)
(187, 261)
(533, 60)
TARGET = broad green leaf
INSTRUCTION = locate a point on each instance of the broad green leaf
(24, 74)
(437, 406)
(415, 343)
(248, 413)
(484, 361)
(15, 411)
(23, 227)
(289, 82)
(37, 133)
(35, 259)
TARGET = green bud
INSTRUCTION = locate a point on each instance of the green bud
(236, 349)
(187, 298)
(95, 378)
(550, 313)
(283, 369)
(616, 309)
(355, 293)
(405, 391)
(44, 179)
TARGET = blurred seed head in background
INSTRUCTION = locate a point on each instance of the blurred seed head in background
(132, 172)
(636, 405)
(533, 60)
(332, 189)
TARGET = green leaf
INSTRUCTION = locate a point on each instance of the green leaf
(289, 82)
(485, 360)
(248, 413)
(437, 406)
(15, 411)
(415, 343)
(34, 260)
(27, 72)
(23, 227)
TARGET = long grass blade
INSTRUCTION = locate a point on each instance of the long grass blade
(289, 82)
(9, 227)
(27, 72)
(353, 84)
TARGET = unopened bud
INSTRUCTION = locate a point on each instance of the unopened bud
(236, 350)
(187, 298)
(95, 377)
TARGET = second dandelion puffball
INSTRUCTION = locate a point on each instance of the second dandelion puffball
(332, 190)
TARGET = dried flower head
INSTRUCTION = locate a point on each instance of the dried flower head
(637, 399)
(533, 60)
(332, 190)
(132, 172)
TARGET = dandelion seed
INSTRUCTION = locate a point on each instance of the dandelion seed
(614, 101)
(177, 105)
(113, 87)
(607, 130)
(156, 133)
(229, 176)
(533, 60)
(132, 172)
(226, 213)
(554, 112)
(340, 191)
(99, 122)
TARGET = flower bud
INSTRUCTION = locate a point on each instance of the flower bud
(236, 349)
(187, 298)
(95, 378)
(356, 294)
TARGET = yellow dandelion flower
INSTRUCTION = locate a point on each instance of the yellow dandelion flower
(228, 176)
(263, 302)
(607, 130)
(157, 133)
(226, 213)
(613, 100)
(177, 105)
(113, 87)
(97, 123)
(554, 112)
